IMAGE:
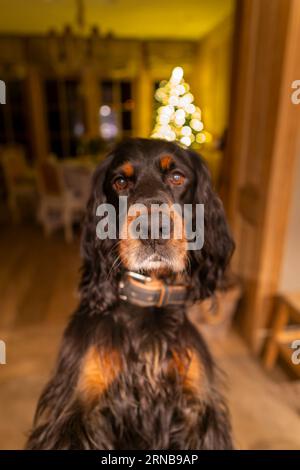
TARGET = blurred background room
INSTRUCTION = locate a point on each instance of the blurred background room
(78, 76)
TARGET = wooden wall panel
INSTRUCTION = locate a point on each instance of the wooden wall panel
(211, 76)
(264, 127)
(37, 113)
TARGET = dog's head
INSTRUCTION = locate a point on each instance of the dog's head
(157, 179)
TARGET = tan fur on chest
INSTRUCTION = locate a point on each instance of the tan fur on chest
(99, 369)
(191, 371)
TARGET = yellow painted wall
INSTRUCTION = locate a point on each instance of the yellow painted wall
(211, 79)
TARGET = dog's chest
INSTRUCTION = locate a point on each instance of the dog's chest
(129, 400)
(152, 373)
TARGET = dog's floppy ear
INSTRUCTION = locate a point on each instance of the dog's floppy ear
(97, 196)
(209, 263)
(98, 257)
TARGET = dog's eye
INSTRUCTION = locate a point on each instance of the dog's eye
(120, 183)
(176, 178)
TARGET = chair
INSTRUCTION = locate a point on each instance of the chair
(19, 178)
(62, 201)
(285, 330)
(77, 178)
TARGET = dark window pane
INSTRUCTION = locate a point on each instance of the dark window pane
(51, 89)
(15, 93)
(76, 126)
(21, 139)
(2, 120)
(73, 147)
(13, 116)
(54, 121)
(72, 91)
(125, 91)
(126, 121)
(107, 91)
(18, 123)
(65, 115)
(56, 147)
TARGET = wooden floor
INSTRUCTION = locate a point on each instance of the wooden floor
(38, 279)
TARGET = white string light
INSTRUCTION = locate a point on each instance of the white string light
(177, 117)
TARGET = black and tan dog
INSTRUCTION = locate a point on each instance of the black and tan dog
(133, 373)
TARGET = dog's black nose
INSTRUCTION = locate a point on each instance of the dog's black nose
(156, 228)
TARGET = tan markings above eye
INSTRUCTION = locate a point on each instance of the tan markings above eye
(127, 169)
(166, 162)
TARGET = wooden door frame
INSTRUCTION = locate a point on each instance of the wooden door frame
(263, 139)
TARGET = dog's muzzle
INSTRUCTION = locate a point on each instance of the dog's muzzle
(144, 291)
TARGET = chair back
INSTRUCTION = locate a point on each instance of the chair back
(14, 165)
(77, 180)
(49, 177)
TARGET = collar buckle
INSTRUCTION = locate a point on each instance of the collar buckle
(139, 277)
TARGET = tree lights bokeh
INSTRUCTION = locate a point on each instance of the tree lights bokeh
(177, 116)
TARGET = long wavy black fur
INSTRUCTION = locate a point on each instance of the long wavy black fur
(144, 407)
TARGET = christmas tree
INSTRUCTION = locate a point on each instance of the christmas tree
(177, 117)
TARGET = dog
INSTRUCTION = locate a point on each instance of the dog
(133, 372)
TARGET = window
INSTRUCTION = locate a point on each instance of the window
(65, 114)
(13, 116)
(116, 109)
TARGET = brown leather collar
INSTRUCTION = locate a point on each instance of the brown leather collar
(144, 291)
